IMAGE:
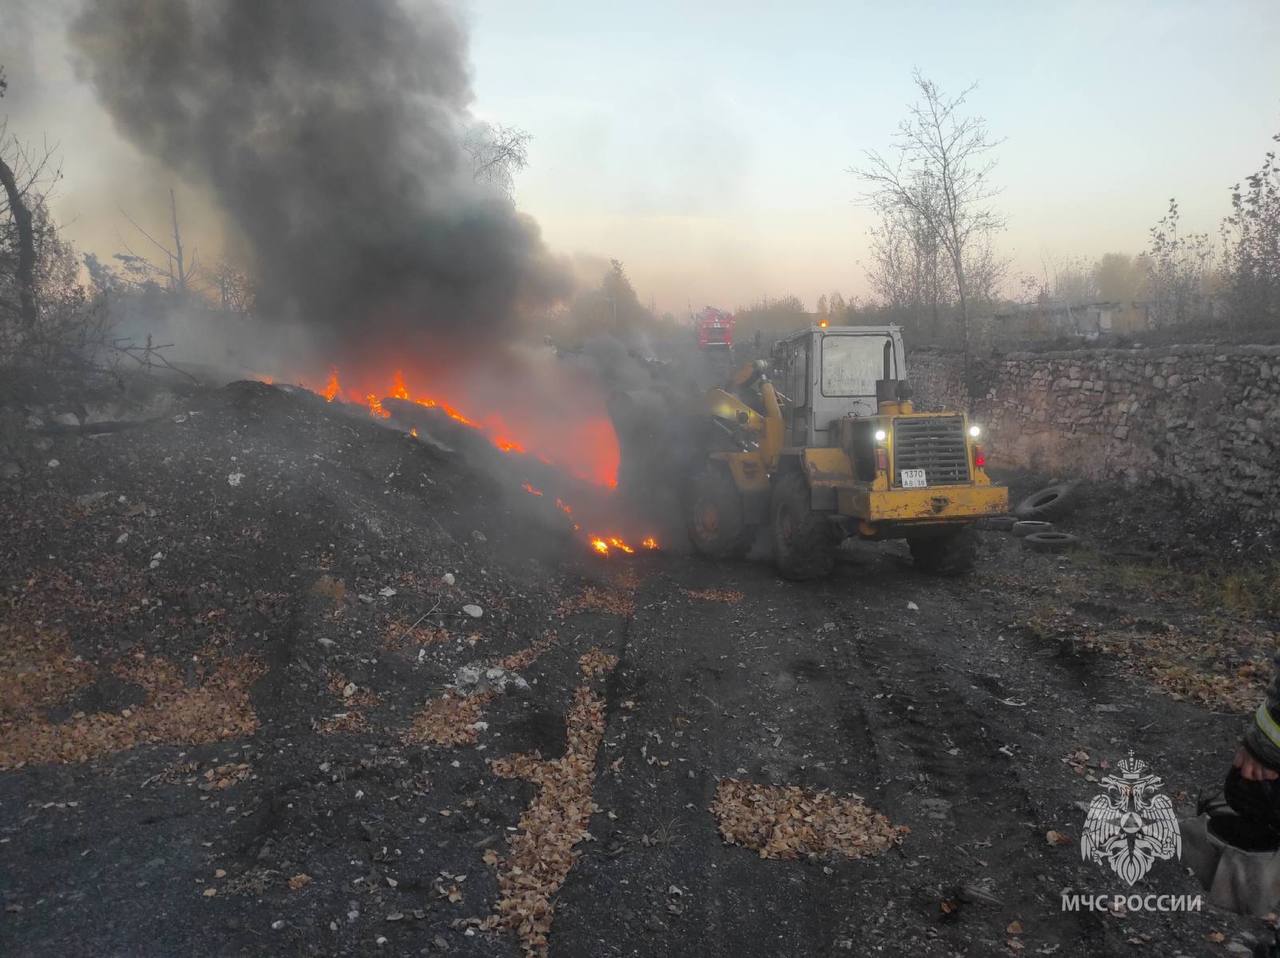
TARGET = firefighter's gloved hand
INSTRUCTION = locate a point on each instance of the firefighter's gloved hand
(1251, 769)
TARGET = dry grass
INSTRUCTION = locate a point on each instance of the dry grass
(1221, 665)
(788, 821)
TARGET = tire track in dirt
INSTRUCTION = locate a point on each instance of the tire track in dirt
(713, 690)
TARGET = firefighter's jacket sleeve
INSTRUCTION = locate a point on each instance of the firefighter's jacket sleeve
(1262, 737)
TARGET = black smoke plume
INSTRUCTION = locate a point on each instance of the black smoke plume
(330, 132)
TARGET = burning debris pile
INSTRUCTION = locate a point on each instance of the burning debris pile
(575, 452)
(338, 143)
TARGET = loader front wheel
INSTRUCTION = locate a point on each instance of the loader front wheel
(952, 553)
(714, 516)
(804, 543)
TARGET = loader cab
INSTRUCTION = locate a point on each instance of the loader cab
(828, 373)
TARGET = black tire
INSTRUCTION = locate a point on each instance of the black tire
(804, 543)
(1051, 502)
(953, 553)
(1028, 527)
(1050, 542)
(714, 516)
(998, 523)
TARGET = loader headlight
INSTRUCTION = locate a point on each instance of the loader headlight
(975, 432)
(881, 435)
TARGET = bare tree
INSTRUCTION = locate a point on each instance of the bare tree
(178, 271)
(29, 245)
(1180, 266)
(939, 173)
(907, 270)
(497, 153)
(235, 289)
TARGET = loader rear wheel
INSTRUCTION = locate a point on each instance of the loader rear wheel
(952, 553)
(714, 515)
(804, 543)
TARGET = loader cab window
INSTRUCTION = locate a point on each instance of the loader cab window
(851, 364)
(791, 375)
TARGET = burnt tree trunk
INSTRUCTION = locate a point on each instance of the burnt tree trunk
(26, 249)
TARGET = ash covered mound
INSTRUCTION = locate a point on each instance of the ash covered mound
(231, 657)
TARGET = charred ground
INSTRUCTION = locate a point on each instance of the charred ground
(228, 725)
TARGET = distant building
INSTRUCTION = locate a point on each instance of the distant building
(1037, 322)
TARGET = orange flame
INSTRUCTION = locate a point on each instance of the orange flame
(507, 445)
(582, 444)
(619, 544)
(397, 388)
(375, 406)
(331, 387)
(600, 546)
(528, 487)
(649, 543)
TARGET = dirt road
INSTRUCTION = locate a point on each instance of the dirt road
(250, 747)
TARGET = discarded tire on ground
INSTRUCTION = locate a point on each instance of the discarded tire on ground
(1030, 527)
(997, 523)
(1050, 542)
(1050, 502)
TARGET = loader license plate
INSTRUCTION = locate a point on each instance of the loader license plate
(913, 479)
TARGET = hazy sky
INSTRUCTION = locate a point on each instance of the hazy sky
(705, 144)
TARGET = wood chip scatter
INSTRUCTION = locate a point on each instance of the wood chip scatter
(592, 599)
(540, 855)
(449, 720)
(789, 821)
(595, 663)
(352, 702)
(219, 708)
(728, 596)
(37, 670)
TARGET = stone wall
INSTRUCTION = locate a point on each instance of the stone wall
(1204, 418)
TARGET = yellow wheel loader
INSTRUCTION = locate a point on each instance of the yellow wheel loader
(823, 444)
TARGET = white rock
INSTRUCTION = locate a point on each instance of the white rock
(912, 607)
(448, 578)
(473, 610)
(386, 592)
(54, 464)
(235, 478)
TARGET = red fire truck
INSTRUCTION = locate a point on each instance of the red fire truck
(715, 329)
